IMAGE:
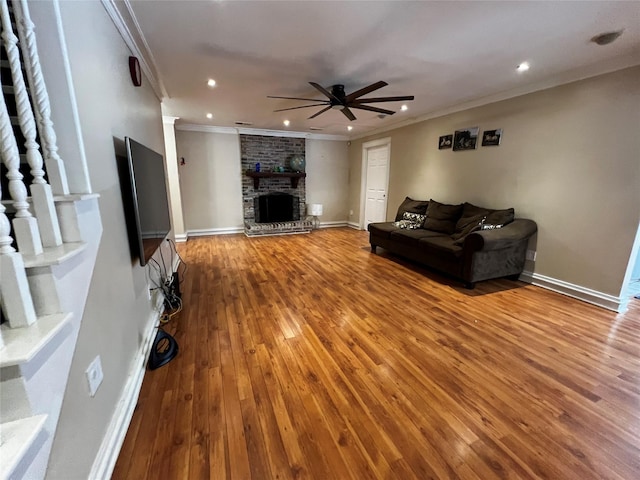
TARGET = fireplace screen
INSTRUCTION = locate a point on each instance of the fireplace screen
(276, 207)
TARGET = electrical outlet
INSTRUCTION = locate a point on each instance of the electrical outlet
(94, 375)
(350, 213)
(531, 255)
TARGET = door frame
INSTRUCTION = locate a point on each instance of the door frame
(363, 174)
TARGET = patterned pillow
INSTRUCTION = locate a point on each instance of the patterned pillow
(410, 220)
(490, 226)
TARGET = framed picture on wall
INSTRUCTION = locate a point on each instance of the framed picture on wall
(445, 141)
(465, 139)
(491, 138)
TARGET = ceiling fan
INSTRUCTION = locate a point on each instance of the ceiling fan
(339, 100)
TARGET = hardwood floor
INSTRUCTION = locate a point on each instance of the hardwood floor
(306, 356)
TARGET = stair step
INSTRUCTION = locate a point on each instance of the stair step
(15, 439)
(54, 255)
(22, 344)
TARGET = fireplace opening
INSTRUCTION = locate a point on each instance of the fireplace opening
(276, 207)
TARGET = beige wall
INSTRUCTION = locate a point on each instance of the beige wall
(328, 178)
(118, 310)
(211, 186)
(569, 159)
(210, 180)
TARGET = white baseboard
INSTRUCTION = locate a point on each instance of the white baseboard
(107, 456)
(353, 225)
(181, 237)
(333, 224)
(604, 300)
(214, 231)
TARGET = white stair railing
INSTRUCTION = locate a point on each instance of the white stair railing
(26, 32)
(41, 193)
(25, 225)
(14, 288)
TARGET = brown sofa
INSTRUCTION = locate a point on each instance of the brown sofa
(464, 241)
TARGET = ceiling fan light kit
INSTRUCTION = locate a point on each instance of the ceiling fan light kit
(339, 100)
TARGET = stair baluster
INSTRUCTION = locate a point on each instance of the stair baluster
(41, 193)
(26, 32)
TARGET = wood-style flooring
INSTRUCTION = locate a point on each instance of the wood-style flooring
(306, 356)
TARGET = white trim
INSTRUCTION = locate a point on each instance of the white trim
(169, 120)
(333, 224)
(193, 127)
(363, 174)
(130, 32)
(109, 451)
(354, 225)
(204, 232)
(602, 68)
(180, 237)
(585, 294)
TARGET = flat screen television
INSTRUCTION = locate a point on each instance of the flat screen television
(150, 204)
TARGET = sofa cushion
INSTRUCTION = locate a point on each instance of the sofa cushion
(411, 237)
(440, 244)
(442, 217)
(413, 206)
(500, 217)
(382, 229)
(470, 220)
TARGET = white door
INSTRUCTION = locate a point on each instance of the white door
(377, 161)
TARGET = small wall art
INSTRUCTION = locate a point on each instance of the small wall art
(465, 139)
(446, 141)
(491, 138)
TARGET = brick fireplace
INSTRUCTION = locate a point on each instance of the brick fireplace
(273, 154)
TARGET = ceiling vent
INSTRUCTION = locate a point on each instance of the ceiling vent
(315, 129)
(243, 124)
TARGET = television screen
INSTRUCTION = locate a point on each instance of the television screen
(150, 203)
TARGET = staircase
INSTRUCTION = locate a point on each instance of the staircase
(49, 240)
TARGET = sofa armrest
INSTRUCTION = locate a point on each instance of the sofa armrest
(513, 233)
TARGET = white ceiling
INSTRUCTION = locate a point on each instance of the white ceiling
(445, 53)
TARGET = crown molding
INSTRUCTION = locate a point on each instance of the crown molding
(602, 68)
(127, 25)
(191, 127)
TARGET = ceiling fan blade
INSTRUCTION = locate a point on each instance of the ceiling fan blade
(297, 98)
(383, 99)
(365, 90)
(318, 113)
(348, 114)
(325, 92)
(372, 109)
(303, 106)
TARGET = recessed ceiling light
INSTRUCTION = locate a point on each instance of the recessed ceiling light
(286, 123)
(349, 127)
(211, 82)
(523, 67)
(404, 108)
(209, 115)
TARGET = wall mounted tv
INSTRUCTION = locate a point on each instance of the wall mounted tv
(150, 204)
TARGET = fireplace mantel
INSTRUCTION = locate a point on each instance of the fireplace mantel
(294, 176)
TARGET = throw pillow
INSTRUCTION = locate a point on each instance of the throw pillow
(470, 224)
(442, 217)
(412, 206)
(410, 221)
(500, 217)
(471, 216)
